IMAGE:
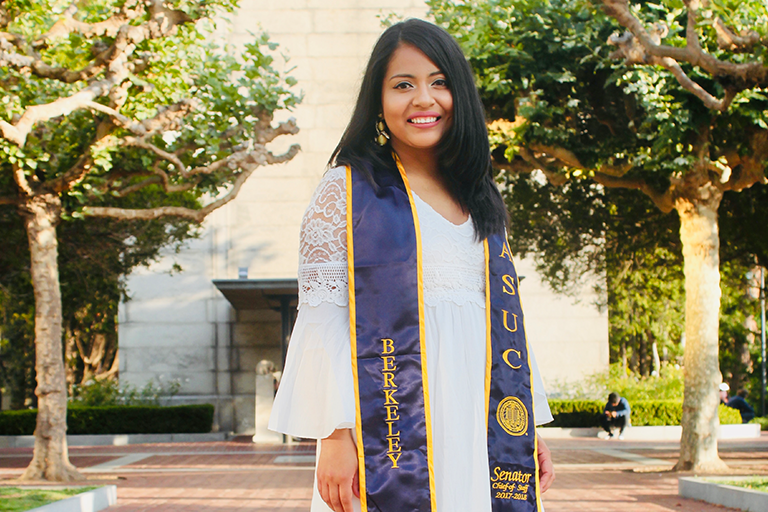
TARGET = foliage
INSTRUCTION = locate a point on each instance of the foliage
(545, 67)
(94, 258)
(582, 228)
(16, 499)
(754, 483)
(230, 90)
(101, 392)
(587, 413)
(18, 423)
(667, 386)
(762, 421)
(739, 326)
(118, 419)
(176, 125)
(577, 101)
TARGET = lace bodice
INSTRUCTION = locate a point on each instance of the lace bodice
(453, 261)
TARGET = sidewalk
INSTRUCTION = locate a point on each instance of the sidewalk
(592, 474)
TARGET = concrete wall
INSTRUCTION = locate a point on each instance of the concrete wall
(178, 326)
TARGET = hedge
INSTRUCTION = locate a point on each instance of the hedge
(587, 413)
(118, 419)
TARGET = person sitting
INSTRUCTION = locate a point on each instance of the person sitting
(740, 402)
(724, 389)
(615, 414)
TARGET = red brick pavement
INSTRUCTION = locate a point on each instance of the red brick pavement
(594, 475)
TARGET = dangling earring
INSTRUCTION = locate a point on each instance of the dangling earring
(382, 137)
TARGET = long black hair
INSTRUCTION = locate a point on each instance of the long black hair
(463, 154)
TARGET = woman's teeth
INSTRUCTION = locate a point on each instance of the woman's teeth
(422, 120)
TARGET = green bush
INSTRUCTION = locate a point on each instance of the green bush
(729, 415)
(18, 423)
(97, 392)
(586, 413)
(762, 421)
(667, 386)
(118, 419)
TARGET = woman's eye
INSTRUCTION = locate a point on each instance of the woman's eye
(440, 82)
(403, 85)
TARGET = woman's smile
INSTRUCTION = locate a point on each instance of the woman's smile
(424, 119)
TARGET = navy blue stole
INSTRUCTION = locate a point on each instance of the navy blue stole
(393, 424)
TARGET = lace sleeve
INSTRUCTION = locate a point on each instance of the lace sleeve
(323, 243)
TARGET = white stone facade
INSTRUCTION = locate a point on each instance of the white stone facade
(179, 326)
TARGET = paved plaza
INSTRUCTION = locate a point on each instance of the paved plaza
(592, 474)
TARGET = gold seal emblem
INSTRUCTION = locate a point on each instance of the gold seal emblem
(512, 416)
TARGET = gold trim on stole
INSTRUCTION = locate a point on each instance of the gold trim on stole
(422, 335)
(353, 340)
(533, 396)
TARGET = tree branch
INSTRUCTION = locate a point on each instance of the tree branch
(21, 181)
(4, 17)
(131, 10)
(18, 132)
(255, 159)
(639, 46)
(163, 21)
(137, 186)
(727, 39)
(663, 201)
(118, 118)
(748, 169)
(173, 211)
(9, 200)
(553, 177)
(567, 157)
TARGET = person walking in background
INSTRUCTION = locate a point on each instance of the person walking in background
(616, 414)
(740, 402)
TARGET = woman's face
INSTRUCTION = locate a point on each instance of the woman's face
(416, 101)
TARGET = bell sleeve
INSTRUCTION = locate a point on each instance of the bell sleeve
(316, 392)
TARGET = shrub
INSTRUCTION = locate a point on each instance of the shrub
(667, 386)
(18, 423)
(586, 413)
(96, 392)
(118, 419)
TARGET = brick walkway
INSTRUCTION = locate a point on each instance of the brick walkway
(594, 475)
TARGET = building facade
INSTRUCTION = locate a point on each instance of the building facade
(233, 303)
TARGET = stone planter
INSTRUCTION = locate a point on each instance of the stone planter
(707, 489)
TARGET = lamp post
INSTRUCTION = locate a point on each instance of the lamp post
(762, 341)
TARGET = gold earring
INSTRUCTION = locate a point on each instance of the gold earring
(382, 137)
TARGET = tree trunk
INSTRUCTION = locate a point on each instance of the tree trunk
(51, 457)
(701, 243)
(623, 355)
(642, 355)
(744, 364)
(656, 359)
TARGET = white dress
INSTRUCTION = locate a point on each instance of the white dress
(316, 394)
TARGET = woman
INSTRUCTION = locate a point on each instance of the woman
(422, 410)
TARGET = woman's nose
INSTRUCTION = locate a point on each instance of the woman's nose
(423, 97)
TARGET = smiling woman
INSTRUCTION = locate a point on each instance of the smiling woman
(416, 102)
(400, 361)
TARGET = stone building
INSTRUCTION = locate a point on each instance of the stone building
(233, 304)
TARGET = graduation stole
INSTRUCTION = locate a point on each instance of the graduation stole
(389, 366)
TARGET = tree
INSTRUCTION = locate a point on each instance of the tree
(121, 109)
(582, 228)
(673, 106)
(95, 255)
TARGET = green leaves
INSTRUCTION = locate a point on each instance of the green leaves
(198, 102)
